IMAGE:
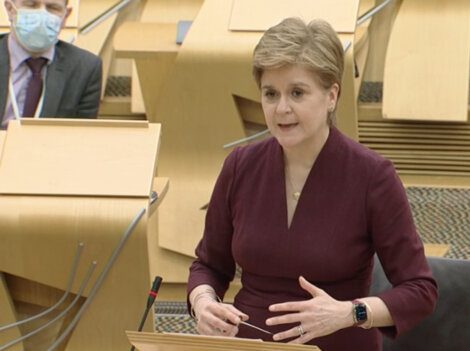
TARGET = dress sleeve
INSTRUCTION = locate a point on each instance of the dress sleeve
(414, 291)
(214, 264)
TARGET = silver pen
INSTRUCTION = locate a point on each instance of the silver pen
(255, 327)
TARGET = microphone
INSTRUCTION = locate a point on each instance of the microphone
(150, 300)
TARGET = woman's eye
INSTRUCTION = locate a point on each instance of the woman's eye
(270, 94)
(297, 93)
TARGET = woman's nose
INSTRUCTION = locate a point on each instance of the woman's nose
(283, 105)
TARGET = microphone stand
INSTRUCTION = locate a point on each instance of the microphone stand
(150, 300)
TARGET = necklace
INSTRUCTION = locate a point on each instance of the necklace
(295, 194)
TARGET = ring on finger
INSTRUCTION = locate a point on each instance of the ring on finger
(300, 330)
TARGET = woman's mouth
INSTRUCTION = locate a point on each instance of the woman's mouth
(285, 127)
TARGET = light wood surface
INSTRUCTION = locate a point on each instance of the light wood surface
(435, 181)
(189, 342)
(170, 11)
(8, 316)
(438, 250)
(161, 11)
(133, 143)
(379, 33)
(4, 22)
(38, 240)
(439, 150)
(94, 40)
(72, 21)
(90, 9)
(137, 100)
(426, 69)
(39, 234)
(194, 90)
(138, 40)
(342, 14)
(2, 141)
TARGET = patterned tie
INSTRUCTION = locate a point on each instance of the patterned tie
(34, 90)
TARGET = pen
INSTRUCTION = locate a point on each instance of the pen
(255, 327)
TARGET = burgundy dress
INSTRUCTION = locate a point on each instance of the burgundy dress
(352, 205)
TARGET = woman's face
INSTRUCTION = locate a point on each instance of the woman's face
(295, 105)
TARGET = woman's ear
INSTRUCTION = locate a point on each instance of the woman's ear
(333, 95)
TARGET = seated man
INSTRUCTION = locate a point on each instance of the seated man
(41, 75)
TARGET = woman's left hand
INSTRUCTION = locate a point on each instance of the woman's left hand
(319, 316)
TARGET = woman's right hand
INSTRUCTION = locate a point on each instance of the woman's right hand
(217, 318)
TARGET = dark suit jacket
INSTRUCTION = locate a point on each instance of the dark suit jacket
(73, 82)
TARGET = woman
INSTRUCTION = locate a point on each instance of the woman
(303, 214)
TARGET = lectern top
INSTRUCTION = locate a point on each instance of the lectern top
(341, 14)
(189, 342)
(79, 158)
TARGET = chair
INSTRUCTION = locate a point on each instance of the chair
(447, 328)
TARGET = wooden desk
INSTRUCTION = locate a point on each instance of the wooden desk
(87, 187)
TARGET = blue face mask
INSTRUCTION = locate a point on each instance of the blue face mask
(36, 29)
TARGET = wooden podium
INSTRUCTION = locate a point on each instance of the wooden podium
(188, 342)
(68, 181)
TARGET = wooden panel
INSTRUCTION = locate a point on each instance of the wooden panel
(137, 40)
(379, 32)
(188, 342)
(435, 181)
(72, 21)
(7, 316)
(438, 250)
(170, 11)
(47, 230)
(3, 134)
(137, 99)
(90, 9)
(91, 170)
(94, 40)
(4, 22)
(162, 11)
(342, 14)
(421, 148)
(426, 73)
(364, 6)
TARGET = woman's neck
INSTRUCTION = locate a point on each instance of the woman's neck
(304, 155)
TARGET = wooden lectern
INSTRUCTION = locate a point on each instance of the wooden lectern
(68, 181)
(189, 342)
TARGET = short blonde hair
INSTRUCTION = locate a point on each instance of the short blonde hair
(315, 46)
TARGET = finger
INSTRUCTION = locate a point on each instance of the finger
(287, 306)
(310, 288)
(284, 319)
(205, 329)
(303, 339)
(290, 333)
(236, 315)
(221, 324)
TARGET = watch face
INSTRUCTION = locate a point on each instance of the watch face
(360, 311)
